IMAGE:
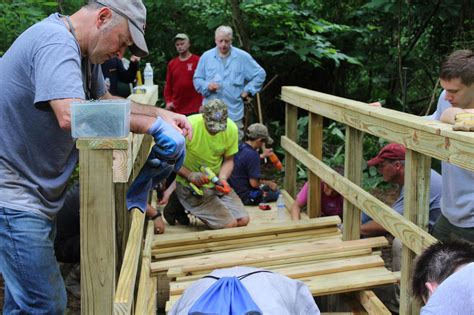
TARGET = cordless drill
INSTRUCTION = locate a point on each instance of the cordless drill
(223, 187)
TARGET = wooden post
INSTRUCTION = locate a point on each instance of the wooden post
(290, 161)
(315, 147)
(353, 172)
(97, 229)
(416, 207)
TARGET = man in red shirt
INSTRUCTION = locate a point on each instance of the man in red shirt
(180, 95)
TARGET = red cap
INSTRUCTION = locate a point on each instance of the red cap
(392, 151)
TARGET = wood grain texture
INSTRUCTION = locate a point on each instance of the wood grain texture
(97, 231)
(290, 161)
(410, 234)
(315, 147)
(144, 284)
(128, 273)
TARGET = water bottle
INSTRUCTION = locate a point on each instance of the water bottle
(148, 74)
(281, 209)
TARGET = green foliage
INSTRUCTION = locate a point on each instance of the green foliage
(18, 15)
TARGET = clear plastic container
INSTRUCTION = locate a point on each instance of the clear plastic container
(100, 119)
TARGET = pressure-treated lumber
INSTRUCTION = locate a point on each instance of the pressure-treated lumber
(372, 303)
(126, 283)
(315, 147)
(306, 271)
(278, 263)
(416, 209)
(353, 172)
(246, 242)
(241, 232)
(431, 138)
(97, 225)
(291, 116)
(222, 260)
(152, 297)
(410, 234)
(144, 284)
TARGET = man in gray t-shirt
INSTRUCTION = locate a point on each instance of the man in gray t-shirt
(457, 202)
(45, 69)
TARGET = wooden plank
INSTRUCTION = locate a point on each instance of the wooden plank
(243, 243)
(126, 283)
(372, 303)
(410, 234)
(313, 269)
(152, 298)
(290, 161)
(353, 172)
(416, 207)
(97, 231)
(241, 232)
(431, 138)
(144, 285)
(222, 260)
(348, 281)
(315, 147)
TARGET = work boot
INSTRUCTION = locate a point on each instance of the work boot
(174, 211)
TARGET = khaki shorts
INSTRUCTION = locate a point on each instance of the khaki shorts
(214, 208)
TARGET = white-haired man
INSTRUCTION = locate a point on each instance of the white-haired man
(228, 73)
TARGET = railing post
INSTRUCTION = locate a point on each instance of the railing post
(290, 162)
(315, 147)
(353, 172)
(416, 209)
(97, 230)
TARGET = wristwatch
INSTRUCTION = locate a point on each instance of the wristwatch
(157, 215)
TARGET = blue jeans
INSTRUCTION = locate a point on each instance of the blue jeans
(33, 282)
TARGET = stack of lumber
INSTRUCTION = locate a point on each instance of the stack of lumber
(311, 251)
(173, 246)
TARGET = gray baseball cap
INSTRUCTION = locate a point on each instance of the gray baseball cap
(257, 130)
(135, 12)
(180, 36)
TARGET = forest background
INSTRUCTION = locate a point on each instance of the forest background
(387, 50)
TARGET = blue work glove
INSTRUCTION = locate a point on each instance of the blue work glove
(152, 173)
(169, 143)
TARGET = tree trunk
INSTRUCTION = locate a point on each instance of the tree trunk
(240, 26)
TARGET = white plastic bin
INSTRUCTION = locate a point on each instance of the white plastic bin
(100, 119)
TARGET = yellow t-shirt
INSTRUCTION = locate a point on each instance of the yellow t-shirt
(209, 150)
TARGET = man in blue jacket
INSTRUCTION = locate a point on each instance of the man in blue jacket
(228, 73)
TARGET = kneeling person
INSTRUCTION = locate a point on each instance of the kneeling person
(214, 143)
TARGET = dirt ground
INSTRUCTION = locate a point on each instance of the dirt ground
(74, 304)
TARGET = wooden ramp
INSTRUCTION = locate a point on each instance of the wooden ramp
(310, 250)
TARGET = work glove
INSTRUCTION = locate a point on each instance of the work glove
(464, 122)
(169, 143)
(198, 178)
(223, 187)
(153, 172)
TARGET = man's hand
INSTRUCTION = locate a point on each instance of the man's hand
(178, 121)
(225, 188)
(213, 87)
(134, 58)
(265, 152)
(198, 178)
(159, 225)
(246, 97)
(169, 106)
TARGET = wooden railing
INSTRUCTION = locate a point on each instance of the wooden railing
(111, 237)
(423, 139)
